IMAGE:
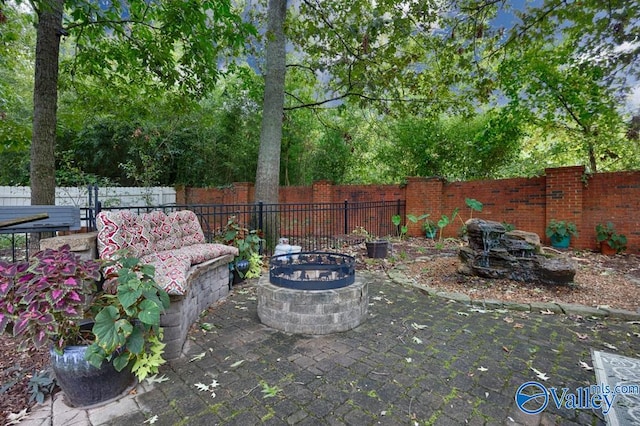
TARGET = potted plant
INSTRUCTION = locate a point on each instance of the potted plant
(610, 241)
(52, 300)
(428, 226)
(430, 229)
(377, 248)
(560, 233)
(248, 262)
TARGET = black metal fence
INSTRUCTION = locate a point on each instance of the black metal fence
(311, 226)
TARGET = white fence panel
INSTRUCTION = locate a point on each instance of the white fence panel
(78, 196)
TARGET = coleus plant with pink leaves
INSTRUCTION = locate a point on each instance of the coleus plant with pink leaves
(43, 301)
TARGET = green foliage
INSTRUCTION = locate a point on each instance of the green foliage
(607, 234)
(269, 391)
(444, 222)
(17, 50)
(127, 324)
(428, 226)
(44, 300)
(457, 148)
(167, 140)
(169, 45)
(41, 384)
(247, 241)
(557, 230)
(474, 205)
(255, 266)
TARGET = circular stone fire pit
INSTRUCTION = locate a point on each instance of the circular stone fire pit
(312, 293)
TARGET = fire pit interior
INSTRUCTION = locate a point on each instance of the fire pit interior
(312, 271)
(312, 293)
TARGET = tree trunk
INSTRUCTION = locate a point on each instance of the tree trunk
(268, 173)
(45, 102)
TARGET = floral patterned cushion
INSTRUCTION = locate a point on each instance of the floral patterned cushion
(171, 243)
(198, 253)
(171, 270)
(189, 226)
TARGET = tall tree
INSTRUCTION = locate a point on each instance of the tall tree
(172, 44)
(268, 172)
(45, 101)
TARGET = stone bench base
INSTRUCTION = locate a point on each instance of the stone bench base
(208, 283)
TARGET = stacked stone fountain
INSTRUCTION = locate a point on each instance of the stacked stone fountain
(493, 252)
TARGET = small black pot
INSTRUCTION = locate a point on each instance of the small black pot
(377, 249)
(239, 270)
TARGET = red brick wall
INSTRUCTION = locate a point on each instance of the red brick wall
(613, 197)
(527, 203)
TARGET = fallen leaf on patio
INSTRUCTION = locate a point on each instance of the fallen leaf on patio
(518, 325)
(15, 418)
(610, 346)
(237, 363)
(418, 326)
(151, 420)
(508, 320)
(506, 349)
(156, 379)
(464, 314)
(206, 326)
(585, 366)
(547, 312)
(202, 387)
(540, 374)
(417, 340)
(198, 357)
(408, 359)
(481, 368)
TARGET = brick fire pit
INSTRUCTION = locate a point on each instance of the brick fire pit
(312, 293)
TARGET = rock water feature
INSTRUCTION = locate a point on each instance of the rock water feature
(493, 252)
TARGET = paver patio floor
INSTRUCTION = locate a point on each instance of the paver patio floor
(417, 359)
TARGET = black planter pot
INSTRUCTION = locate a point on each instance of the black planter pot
(377, 249)
(240, 269)
(82, 383)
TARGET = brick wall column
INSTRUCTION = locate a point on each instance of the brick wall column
(181, 195)
(564, 196)
(242, 193)
(424, 195)
(322, 192)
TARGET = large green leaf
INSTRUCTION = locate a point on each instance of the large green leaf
(128, 294)
(111, 331)
(149, 312)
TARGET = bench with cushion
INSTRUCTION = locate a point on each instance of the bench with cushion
(193, 272)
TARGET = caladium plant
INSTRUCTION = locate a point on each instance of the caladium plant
(127, 324)
(45, 299)
(48, 299)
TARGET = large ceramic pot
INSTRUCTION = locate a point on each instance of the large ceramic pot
(561, 242)
(606, 249)
(82, 383)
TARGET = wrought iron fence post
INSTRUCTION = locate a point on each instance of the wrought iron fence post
(260, 212)
(346, 217)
